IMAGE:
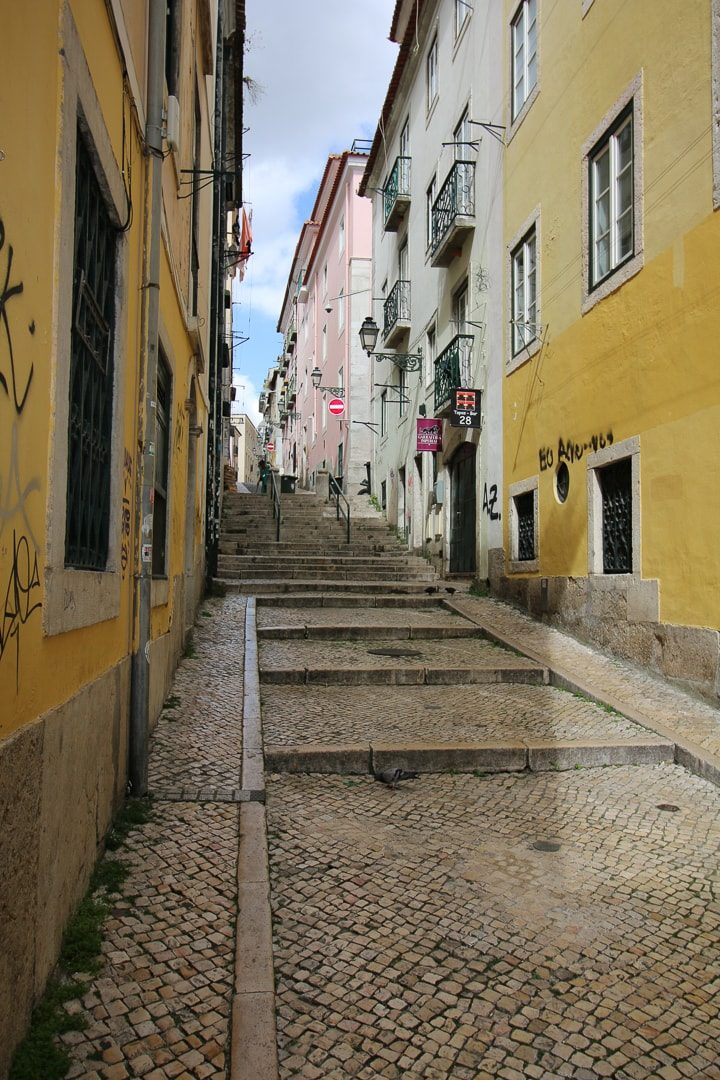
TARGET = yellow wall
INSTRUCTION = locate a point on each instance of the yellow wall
(643, 361)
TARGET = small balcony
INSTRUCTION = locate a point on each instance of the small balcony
(453, 214)
(453, 368)
(396, 312)
(396, 194)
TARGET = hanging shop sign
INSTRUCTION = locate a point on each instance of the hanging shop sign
(429, 435)
(465, 408)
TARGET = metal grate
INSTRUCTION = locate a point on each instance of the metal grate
(525, 510)
(456, 198)
(615, 483)
(397, 306)
(397, 184)
(453, 368)
(91, 373)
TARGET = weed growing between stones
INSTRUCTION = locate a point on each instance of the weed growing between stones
(40, 1055)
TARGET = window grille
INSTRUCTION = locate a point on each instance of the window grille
(91, 373)
(615, 485)
(162, 459)
(525, 510)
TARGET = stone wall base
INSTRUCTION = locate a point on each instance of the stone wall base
(620, 615)
(61, 780)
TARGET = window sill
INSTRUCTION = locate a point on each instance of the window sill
(524, 566)
(616, 280)
(521, 358)
(431, 111)
(527, 105)
(461, 36)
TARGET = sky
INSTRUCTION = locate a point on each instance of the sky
(323, 69)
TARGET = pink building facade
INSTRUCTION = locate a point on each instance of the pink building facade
(326, 299)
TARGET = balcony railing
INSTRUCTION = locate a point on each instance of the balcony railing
(396, 194)
(396, 310)
(453, 213)
(453, 368)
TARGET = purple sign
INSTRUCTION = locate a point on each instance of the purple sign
(429, 435)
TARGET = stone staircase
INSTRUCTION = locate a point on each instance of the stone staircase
(366, 660)
(313, 555)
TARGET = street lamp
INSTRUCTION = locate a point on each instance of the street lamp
(316, 377)
(368, 338)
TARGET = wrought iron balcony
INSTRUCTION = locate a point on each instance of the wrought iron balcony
(396, 193)
(453, 213)
(453, 368)
(396, 312)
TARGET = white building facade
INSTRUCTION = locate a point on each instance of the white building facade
(435, 175)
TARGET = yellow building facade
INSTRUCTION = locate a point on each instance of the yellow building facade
(80, 366)
(611, 396)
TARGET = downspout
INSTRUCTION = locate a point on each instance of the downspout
(217, 302)
(140, 665)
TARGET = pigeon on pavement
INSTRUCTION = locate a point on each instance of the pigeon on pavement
(392, 777)
(450, 589)
(432, 588)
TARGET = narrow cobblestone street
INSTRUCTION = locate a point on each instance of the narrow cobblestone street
(540, 902)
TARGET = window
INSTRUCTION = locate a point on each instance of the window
(383, 414)
(341, 312)
(524, 54)
(430, 356)
(462, 13)
(324, 342)
(383, 494)
(460, 303)
(405, 139)
(403, 391)
(91, 373)
(611, 184)
(524, 292)
(430, 197)
(162, 461)
(431, 72)
(325, 280)
(341, 378)
(341, 236)
(525, 513)
(324, 413)
(172, 45)
(462, 138)
(195, 213)
(524, 525)
(616, 495)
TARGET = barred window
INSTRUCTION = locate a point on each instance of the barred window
(525, 511)
(91, 372)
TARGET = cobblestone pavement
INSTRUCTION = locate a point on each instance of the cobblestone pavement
(272, 616)
(667, 704)
(159, 1009)
(420, 934)
(451, 715)
(455, 653)
(160, 1006)
(198, 738)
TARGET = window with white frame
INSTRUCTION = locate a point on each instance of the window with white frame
(341, 236)
(614, 507)
(430, 197)
(403, 391)
(383, 414)
(431, 73)
(430, 355)
(611, 188)
(325, 280)
(524, 524)
(405, 139)
(462, 13)
(524, 292)
(524, 54)
(324, 343)
(341, 312)
(324, 413)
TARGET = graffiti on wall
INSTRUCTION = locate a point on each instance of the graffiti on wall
(490, 498)
(125, 520)
(571, 450)
(20, 578)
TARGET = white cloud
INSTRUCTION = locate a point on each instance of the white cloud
(323, 68)
(246, 397)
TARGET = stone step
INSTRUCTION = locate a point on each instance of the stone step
(271, 547)
(343, 600)
(303, 573)
(487, 757)
(265, 586)
(511, 671)
(375, 631)
(341, 560)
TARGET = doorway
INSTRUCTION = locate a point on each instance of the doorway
(462, 510)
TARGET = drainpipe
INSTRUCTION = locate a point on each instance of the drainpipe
(217, 318)
(140, 665)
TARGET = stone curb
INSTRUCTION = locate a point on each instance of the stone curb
(524, 755)
(685, 752)
(310, 632)
(253, 1038)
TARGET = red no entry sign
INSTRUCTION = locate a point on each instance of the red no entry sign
(270, 447)
(336, 406)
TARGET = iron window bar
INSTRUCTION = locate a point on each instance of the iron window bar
(397, 306)
(456, 198)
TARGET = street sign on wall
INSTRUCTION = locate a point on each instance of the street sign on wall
(465, 407)
(429, 435)
(270, 447)
(336, 406)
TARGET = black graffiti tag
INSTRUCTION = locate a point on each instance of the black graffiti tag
(490, 497)
(570, 450)
(19, 602)
(6, 293)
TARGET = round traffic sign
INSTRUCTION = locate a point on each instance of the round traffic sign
(270, 447)
(336, 406)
